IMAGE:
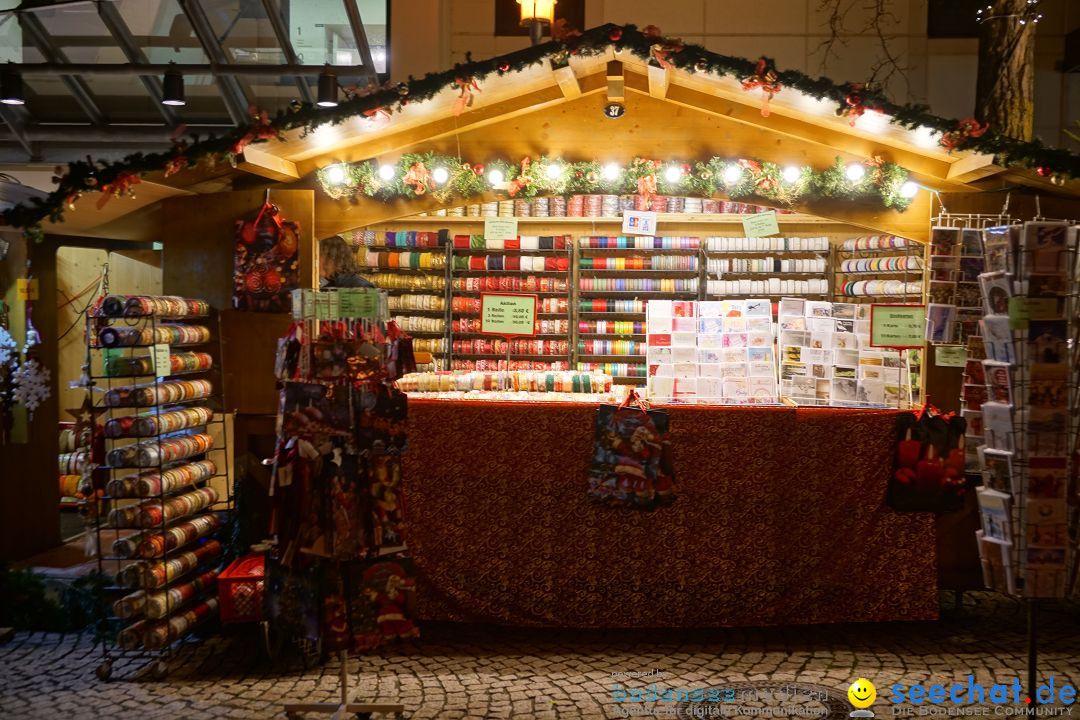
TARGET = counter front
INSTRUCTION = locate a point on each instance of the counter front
(780, 519)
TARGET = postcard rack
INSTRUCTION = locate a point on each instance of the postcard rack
(161, 474)
(1027, 543)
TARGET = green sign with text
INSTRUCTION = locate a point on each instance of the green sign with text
(897, 326)
(507, 314)
(357, 302)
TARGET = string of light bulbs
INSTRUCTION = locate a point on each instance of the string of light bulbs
(446, 178)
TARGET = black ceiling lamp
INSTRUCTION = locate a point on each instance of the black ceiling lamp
(11, 86)
(328, 89)
(173, 87)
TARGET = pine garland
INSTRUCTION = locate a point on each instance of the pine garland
(413, 177)
(850, 99)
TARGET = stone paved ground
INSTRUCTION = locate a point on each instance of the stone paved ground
(483, 672)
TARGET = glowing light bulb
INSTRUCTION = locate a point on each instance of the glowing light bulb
(855, 172)
(440, 175)
(672, 174)
(611, 171)
(386, 172)
(496, 177)
(791, 174)
(926, 137)
(732, 173)
(335, 175)
(909, 189)
(553, 172)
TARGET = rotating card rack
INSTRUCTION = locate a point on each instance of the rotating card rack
(164, 471)
(1030, 420)
(969, 254)
(1031, 552)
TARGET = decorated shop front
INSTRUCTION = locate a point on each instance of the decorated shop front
(670, 311)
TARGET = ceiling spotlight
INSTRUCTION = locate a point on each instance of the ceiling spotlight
(440, 175)
(672, 174)
(335, 175)
(611, 171)
(732, 173)
(11, 87)
(791, 174)
(328, 89)
(496, 177)
(173, 87)
(855, 172)
(553, 172)
(909, 189)
(386, 172)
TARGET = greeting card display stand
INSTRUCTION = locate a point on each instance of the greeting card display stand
(336, 475)
(1027, 544)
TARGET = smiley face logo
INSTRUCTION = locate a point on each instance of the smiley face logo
(862, 693)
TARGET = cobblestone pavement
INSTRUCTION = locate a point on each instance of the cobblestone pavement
(482, 672)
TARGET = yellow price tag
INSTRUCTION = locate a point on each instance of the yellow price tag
(26, 289)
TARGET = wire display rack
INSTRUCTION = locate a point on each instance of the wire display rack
(161, 478)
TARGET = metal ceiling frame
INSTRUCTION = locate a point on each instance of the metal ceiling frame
(116, 26)
(236, 101)
(75, 84)
(23, 128)
(353, 13)
(281, 32)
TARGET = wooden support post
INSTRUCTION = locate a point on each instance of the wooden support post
(568, 82)
(659, 79)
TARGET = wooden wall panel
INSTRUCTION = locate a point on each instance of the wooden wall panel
(28, 489)
(198, 234)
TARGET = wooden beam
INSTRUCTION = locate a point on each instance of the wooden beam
(366, 148)
(568, 82)
(659, 79)
(926, 170)
(261, 163)
(973, 167)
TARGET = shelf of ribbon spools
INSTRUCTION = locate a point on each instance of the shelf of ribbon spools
(526, 385)
(616, 278)
(880, 267)
(161, 475)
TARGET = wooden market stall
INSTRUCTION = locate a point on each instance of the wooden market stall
(500, 530)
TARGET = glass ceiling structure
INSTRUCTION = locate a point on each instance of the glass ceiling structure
(92, 69)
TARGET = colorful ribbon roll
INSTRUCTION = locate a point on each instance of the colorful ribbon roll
(168, 334)
(169, 306)
(159, 452)
(157, 544)
(144, 365)
(149, 576)
(162, 633)
(153, 513)
(165, 393)
(167, 422)
(157, 605)
(152, 482)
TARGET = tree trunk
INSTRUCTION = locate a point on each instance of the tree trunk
(1004, 94)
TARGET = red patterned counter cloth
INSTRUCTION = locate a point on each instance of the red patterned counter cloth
(781, 519)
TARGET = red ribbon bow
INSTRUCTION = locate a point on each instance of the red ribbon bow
(260, 130)
(465, 99)
(764, 77)
(120, 186)
(522, 181)
(967, 128)
(418, 177)
(660, 52)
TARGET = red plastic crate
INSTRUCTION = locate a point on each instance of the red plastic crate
(240, 590)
